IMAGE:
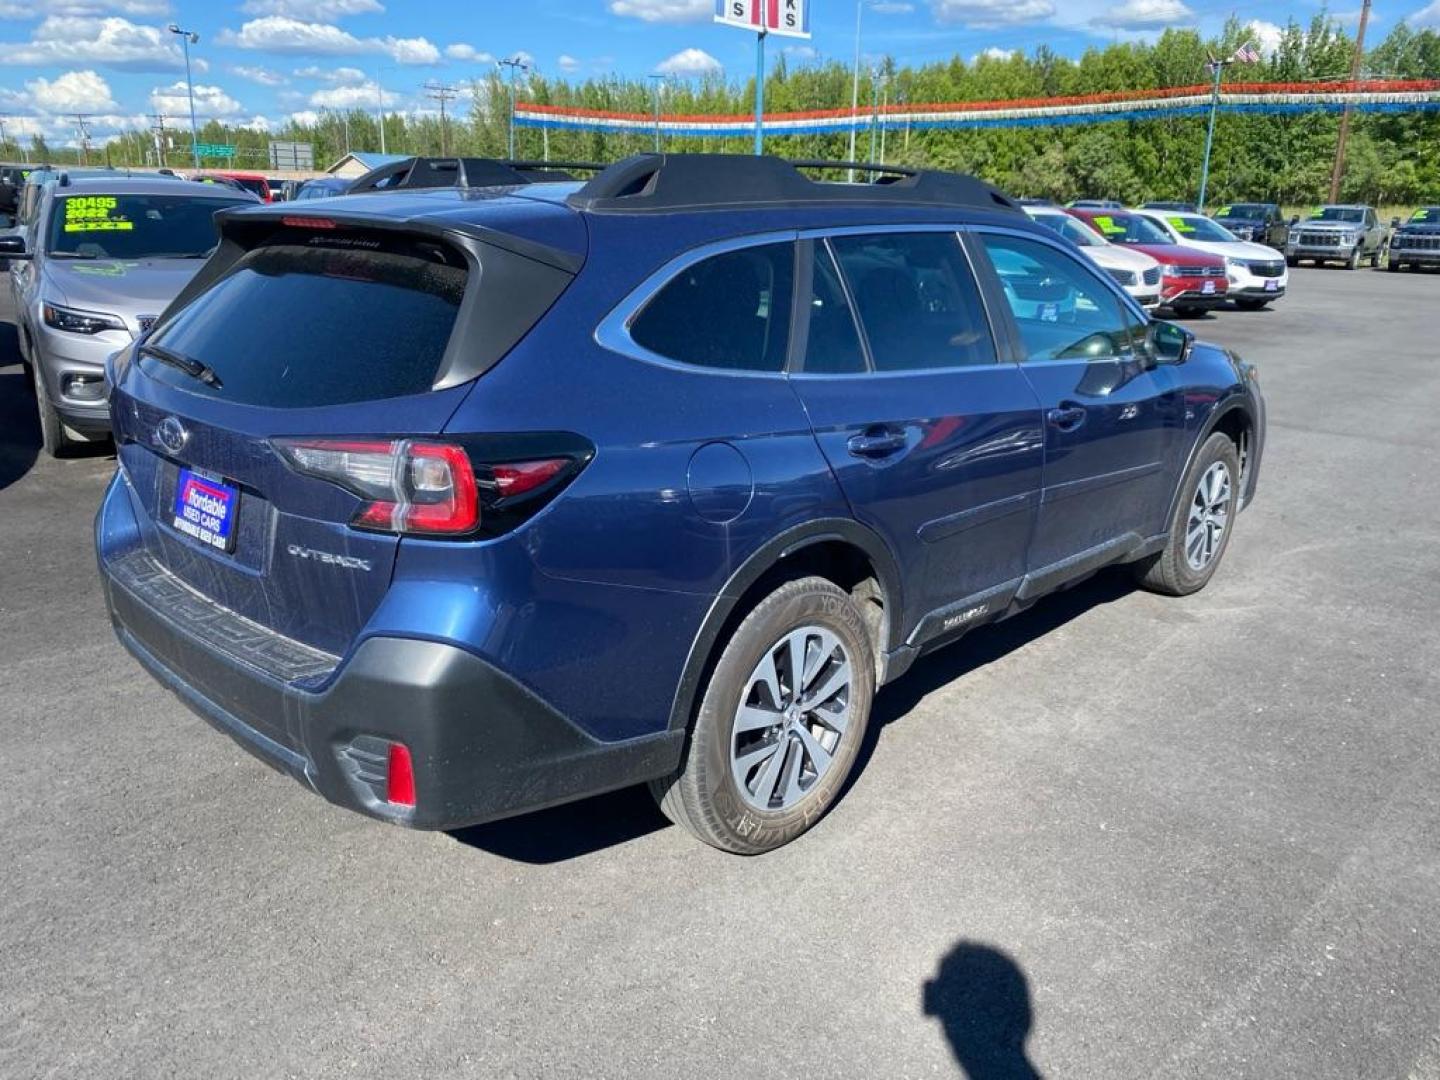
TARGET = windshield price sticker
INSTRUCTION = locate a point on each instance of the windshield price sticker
(1420, 215)
(1108, 226)
(1179, 224)
(94, 213)
(1224, 211)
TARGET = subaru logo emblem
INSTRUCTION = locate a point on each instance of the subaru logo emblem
(171, 435)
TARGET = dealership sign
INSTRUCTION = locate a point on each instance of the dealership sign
(788, 17)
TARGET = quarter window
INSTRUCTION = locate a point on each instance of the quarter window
(1062, 309)
(729, 311)
(833, 345)
(917, 300)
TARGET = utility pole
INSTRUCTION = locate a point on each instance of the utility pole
(380, 101)
(441, 93)
(515, 64)
(84, 132)
(159, 129)
(656, 81)
(1338, 173)
(188, 38)
(855, 86)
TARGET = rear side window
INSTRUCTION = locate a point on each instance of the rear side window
(295, 327)
(729, 311)
(917, 300)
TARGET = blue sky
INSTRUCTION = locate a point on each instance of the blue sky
(260, 62)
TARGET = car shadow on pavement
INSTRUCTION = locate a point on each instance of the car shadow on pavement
(981, 998)
(590, 825)
(569, 831)
(19, 425)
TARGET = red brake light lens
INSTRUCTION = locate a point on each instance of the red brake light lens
(308, 222)
(400, 776)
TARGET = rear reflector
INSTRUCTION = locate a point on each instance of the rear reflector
(400, 776)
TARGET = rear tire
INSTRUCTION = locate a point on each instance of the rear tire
(1291, 260)
(1393, 265)
(728, 791)
(53, 436)
(1204, 519)
(1248, 304)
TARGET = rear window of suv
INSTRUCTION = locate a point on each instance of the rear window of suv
(296, 327)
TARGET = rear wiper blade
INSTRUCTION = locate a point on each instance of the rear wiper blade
(196, 369)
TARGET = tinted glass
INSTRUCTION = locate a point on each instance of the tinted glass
(1426, 215)
(135, 226)
(1064, 311)
(917, 300)
(255, 186)
(1130, 229)
(730, 311)
(293, 327)
(1248, 211)
(833, 346)
(1339, 213)
(1072, 230)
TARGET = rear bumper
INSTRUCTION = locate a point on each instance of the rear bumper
(483, 746)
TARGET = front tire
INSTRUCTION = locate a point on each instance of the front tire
(1204, 519)
(1248, 304)
(55, 440)
(780, 723)
(1354, 263)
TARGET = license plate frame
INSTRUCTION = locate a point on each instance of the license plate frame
(205, 509)
(1272, 285)
(1208, 288)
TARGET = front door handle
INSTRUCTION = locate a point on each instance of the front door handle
(1067, 417)
(876, 442)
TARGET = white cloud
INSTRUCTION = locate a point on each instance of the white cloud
(114, 42)
(262, 76)
(889, 7)
(801, 52)
(468, 53)
(85, 8)
(1267, 36)
(72, 92)
(664, 11)
(209, 100)
(1428, 16)
(312, 10)
(567, 63)
(994, 52)
(305, 117)
(353, 96)
(982, 14)
(689, 62)
(331, 75)
(1144, 15)
(257, 123)
(282, 34)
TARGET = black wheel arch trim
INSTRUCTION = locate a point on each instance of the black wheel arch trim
(761, 562)
(1238, 401)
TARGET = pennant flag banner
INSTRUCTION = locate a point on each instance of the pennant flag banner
(1365, 96)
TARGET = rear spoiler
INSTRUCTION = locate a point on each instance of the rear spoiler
(463, 172)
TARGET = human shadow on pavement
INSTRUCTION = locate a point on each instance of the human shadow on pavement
(982, 1000)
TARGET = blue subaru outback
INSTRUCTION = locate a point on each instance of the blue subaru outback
(455, 504)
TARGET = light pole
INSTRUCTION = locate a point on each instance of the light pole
(855, 85)
(380, 99)
(188, 38)
(657, 81)
(515, 64)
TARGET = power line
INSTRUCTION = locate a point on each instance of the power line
(442, 93)
(83, 130)
(160, 137)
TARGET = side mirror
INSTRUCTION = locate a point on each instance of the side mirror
(1394, 223)
(1294, 219)
(13, 247)
(1168, 343)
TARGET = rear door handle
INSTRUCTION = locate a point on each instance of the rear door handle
(1067, 417)
(876, 442)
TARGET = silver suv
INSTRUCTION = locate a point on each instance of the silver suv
(95, 259)
(1345, 234)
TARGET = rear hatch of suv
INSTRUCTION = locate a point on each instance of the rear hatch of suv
(307, 343)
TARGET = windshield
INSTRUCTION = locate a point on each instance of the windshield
(1130, 229)
(1195, 227)
(1352, 215)
(1243, 211)
(1426, 215)
(1071, 229)
(135, 226)
(251, 183)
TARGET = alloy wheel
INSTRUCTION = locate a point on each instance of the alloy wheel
(1209, 516)
(791, 718)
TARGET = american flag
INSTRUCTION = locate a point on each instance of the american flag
(1247, 54)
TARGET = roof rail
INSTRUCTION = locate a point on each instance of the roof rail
(666, 182)
(444, 172)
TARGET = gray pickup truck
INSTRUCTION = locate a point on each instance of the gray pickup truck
(1343, 234)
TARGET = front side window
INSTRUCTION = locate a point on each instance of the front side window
(134, 226)
(730, 311)
(917, 300)
(833, 345)
(1062, 309)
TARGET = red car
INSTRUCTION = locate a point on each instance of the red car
(251, 182)
(1191, 280)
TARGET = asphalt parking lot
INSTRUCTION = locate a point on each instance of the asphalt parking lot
(1118, 836)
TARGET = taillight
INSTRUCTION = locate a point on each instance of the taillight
(417, 487)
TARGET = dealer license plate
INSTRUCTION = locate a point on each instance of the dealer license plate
(1207, 288)
(205, 509)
